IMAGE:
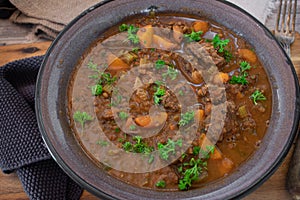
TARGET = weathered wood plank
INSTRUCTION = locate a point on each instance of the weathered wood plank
(15, 52)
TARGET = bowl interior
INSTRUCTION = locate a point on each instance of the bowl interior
(62, 57)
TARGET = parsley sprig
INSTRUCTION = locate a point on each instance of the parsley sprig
(131, 31)
(194, 36)
(169, 148)
(160, 92)
(139, 147)
(160, 184)
(257, 96)
(191, 174)
(123, 115)
(82, 118)
(219, 44)
(244, 66)
(192, 170)
(186, 118)
(159, 64)
(102, 78)
(241, 78)
(171, 73)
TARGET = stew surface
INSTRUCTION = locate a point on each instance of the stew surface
(169, 102)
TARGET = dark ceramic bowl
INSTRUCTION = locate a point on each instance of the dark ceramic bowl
(52, 85)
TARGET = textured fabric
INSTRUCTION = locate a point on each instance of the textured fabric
(21, 146)
(48, 17)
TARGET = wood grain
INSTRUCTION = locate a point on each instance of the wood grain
(11, 189)
(19, 51)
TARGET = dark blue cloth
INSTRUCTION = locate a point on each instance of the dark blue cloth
(21, 146)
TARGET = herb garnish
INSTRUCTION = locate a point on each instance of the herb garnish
(160, 92)
(123, 115)
(227, 55)
(159, 64)
(196, 150)
(186, 118)
(192, 173)
(219, 44)
(131, 30)
(102, 79)
(82, 118)
(91, 65)
(117, 101)
(244, 65)
(102, 143)
(161, 184)
(257, 96)
(194, 36)
(193, 169)
(240, 79)
(139, 147)
(132, 127)
(166, 149)
(97, 89)
(171, 72)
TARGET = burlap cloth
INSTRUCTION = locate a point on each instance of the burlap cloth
(48, 17)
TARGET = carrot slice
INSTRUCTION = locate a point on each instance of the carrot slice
(248, 55)
(143, 120)
(116, 64)
(200, 26)
(204, 142)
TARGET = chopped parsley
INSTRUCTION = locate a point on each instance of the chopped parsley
(245, 66)
(102, 143)
(192, 170)
(91, 65)
(196, 150)
(257, 96)
(240, 79)
(132, 127)
(117, 101)
(159, 64)
(135, 50)
(171, 72)
(192, 173)
(194, 36)
(227, 55)
(123, 115)
(220, 44)
(97, 89)
(123, 27)
(186, 118)
(139, 147)
(180, 93)
(82, 118)
(131, 31)
(160, 92)
(160, 184)
(169, 148)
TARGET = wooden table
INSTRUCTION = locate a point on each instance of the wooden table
(11, 188)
